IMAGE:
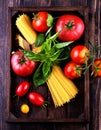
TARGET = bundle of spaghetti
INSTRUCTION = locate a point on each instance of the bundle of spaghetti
(61, 88)
(23, 24)
(20, 41)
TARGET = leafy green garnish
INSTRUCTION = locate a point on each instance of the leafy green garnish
(49, 20)
(40, 39)
(64, 44)
(42, 73)
(52, 52)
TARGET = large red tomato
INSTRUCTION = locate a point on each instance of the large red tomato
(72, 70)
(71, 27)
(21, 65)
(42, 21)
(96, 68)
(80, 54)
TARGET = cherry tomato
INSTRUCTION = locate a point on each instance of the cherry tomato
(71, 27)
(42, 21)
(96, 68)
(21, 65)
(24, 108)
(72, 70)
(22, 88)
(36, 99)
(80, 54)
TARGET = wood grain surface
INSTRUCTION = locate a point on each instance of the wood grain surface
(95, 83)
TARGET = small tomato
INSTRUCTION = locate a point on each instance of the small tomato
(80, 54)
(24, 108)
(36, 99)
(22, 88)
(96, 68)
(72, 70)
(42, 21)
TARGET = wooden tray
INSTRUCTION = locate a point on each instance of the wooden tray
(75, 111)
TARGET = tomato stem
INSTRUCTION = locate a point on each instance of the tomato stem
(45, 104)
(90, 61)
(22, 60)
(70, 24)
(14, 96)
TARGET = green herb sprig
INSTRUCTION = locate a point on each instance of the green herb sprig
(52, 52)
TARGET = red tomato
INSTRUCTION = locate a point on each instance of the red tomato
(36, 99)
(71, 27)
(96, 68)
(80, 54)
(72, 70)
(40, 21)
(21, 65)
(22, 88)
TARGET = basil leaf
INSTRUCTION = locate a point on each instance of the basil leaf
(48, 33)
(55, 55)
(47, 68)
(65, 53)
(38, 78)
(46, 46)
(49, 20)
(42, 73)
(40, 39)
(33, 56)
(53, 37)
(63, 44)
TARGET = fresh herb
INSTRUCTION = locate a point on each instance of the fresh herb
(52, 52)
(40, 39)
(50, 20)
(42, 73)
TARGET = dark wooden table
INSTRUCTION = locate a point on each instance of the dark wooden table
(94, 35)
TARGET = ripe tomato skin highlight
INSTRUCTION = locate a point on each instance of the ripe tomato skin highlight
(36, 99)
(79, 54)
(24, 108)
(70, 70)
(39, 22)
(22, 88)
(71, 27)
(97, 68)
(21, 65)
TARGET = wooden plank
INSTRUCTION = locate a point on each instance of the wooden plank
(95, 37)
(69, 3)
(100, 112)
